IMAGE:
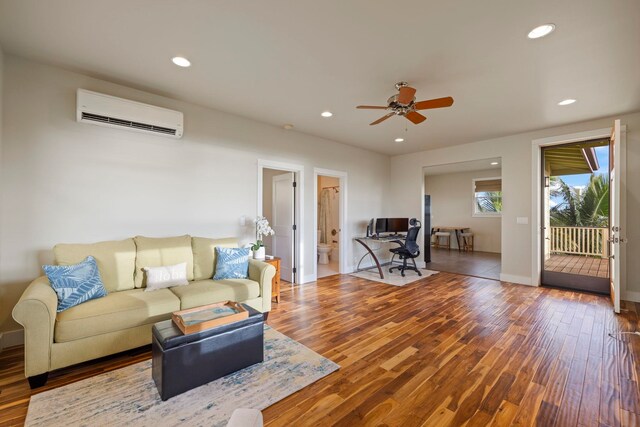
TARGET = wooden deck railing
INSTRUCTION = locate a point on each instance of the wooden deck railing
(589, 241)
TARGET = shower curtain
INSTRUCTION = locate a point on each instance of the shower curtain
(324, 220)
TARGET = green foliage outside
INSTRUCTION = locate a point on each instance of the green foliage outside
(588, 207)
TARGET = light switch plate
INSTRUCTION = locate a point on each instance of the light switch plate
(522, 220)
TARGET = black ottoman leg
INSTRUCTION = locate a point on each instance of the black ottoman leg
(38, 380)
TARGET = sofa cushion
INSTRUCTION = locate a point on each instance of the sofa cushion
(76, 283)
(115, 312)
(203, 292)
(204, 255)
(158, 252)
(116, 260)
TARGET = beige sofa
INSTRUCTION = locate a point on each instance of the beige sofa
(122, 320)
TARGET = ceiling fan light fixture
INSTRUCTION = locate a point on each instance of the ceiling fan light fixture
(326, 114)
(541, 31)
(566, 102)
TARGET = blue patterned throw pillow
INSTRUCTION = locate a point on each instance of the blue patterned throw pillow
(231, 263)
(76, 283)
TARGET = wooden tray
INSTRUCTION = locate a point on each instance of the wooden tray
(208, 316)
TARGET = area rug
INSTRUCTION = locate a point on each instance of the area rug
(394, 278)
(129, 395)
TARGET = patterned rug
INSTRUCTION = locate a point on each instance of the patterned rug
(129, 395)
(394, 278)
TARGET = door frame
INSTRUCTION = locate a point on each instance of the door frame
(536, 191)
(342, 177)
(299, 213)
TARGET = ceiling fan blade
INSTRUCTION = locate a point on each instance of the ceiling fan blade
(414, 117)
(382, 119)
(371, 107)
(434, 103)
(406, 95)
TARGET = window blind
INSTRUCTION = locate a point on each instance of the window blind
(488, 185)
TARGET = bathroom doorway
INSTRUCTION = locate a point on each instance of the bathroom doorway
(330, 200)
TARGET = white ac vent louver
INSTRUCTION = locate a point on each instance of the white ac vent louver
(109, 111)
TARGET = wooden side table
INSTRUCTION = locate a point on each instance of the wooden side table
(275, 286)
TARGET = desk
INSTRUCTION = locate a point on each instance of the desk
(364, 241)
(456, 230)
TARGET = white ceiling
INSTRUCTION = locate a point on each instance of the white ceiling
(470, 166)
(285, 61)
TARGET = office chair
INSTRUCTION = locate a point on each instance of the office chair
(408, 249)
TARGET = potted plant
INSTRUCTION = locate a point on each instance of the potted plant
(262, 229)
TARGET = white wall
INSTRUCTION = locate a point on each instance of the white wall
(64, 181)
(515, 151)
(451, 205)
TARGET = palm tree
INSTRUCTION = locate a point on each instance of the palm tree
(490, 201)
(581, 208)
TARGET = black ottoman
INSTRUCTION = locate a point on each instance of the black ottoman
(182, 362)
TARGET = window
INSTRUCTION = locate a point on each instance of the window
(487, 197)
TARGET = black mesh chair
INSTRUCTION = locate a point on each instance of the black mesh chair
(408, 250)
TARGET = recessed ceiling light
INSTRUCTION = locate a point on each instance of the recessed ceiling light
(326, 114)
(494, 163)
(287, 126)
(566, 102)
(541, 31)
(399, 140)
(181, 62)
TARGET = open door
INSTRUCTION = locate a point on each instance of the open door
(283, 223)
(615, 239)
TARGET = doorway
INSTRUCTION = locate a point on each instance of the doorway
(330, 218)
(463, 218)
(617, 205)
(279, 202)
(576, 215)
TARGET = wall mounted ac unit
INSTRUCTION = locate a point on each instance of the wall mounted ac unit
(105, 110)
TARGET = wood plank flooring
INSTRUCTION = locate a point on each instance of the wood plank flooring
(445, 350)
(479, 264)
(575, 264)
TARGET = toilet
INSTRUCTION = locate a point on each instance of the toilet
(324, 249)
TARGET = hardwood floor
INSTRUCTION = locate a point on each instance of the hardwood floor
(479, 264)
(445, 350)
(586, 266)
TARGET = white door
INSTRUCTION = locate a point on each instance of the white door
(614, 211)
(283, 221)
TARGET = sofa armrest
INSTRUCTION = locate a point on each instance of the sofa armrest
(36, 312)
(263, 273)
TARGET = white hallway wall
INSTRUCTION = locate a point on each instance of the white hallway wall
(515, 151)
(64, 181)
(451, 204)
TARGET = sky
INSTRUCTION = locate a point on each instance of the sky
(602, 153)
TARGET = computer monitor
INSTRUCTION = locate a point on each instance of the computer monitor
(397, 225)
(381, 225)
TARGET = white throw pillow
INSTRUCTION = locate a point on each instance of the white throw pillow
(166, 276)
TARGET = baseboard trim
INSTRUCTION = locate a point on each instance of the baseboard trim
(512, 278)
(308, 278)
(632, 296)
(11, 338)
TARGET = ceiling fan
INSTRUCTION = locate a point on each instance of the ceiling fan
(404, 104)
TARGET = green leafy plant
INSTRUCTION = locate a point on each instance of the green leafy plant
(588, 207)
(489, 202)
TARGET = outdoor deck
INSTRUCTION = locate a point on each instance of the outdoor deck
(576, 264)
